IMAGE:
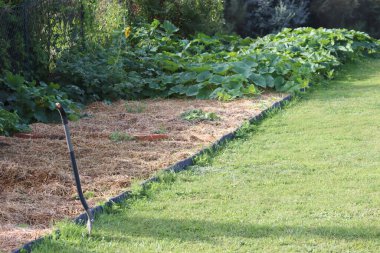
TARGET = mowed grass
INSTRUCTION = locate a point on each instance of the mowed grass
(306, 179)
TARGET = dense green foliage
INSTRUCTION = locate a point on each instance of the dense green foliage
(304, 180)
(154, 61)
(9, 122)
(32, 101)
(34, 34)
(10, 2)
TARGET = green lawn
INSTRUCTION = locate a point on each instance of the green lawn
(307, 179)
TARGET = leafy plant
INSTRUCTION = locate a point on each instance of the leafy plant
(120, 137)
(161, 130)
(9, 122)
(34, 102)
(198, 115)
(96, 72)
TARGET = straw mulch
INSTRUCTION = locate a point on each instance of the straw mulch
(36, 184)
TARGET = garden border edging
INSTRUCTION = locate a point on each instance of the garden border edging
(177, 167)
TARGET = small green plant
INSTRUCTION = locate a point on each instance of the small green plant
(135, 107)
(198, 115)
(89, 194)
(164, 180)
(161, 130)
(204, 159)
(120, 137)
(246, 128)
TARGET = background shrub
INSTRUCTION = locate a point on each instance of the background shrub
(190, 16)
(9, 122)
(362, 15)
(261, 17)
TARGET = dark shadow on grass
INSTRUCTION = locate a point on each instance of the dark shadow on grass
(358, 70)
(57, 246)
(201, 230)
(125, 229)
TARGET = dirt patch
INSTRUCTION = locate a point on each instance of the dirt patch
(36, 185)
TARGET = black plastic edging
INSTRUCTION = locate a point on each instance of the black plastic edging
(177, 167)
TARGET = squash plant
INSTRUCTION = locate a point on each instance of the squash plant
(154, 61)
(228, 67)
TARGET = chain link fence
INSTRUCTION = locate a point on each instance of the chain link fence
(35, 33)
(12, 32)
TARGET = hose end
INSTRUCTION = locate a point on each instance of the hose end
(89, 226)
(62, 112)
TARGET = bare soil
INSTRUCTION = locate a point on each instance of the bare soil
(36, 184)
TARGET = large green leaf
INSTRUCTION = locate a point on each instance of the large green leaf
(154, 85)
(170, 65)
(279, 82)
(230, 85)
(216, 79)
(289, 86)
(258, 80)
(169, 27)
(204, 93)
(178, 89)
(193, 90)
(199, 68)
(221, 69)
(269, 80)
(205, 75)
(167, 79)
(235, 93)
(241, 68)
(186, 77)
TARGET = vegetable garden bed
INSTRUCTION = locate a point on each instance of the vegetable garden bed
(36, 182)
